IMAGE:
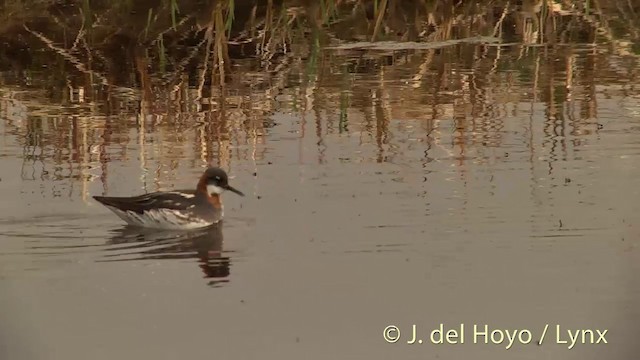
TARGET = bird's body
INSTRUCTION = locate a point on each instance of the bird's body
(178, 209)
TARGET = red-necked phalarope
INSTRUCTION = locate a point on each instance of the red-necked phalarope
(179, 209)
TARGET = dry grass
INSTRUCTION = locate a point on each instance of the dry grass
(176, 66)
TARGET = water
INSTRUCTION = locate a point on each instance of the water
(469, 183)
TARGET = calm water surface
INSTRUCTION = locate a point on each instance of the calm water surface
(473, 183)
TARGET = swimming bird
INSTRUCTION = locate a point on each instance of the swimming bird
(178, 209)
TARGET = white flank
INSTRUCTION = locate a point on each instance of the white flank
(188, 196)
(160, 219)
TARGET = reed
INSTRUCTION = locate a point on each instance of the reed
(224, 62)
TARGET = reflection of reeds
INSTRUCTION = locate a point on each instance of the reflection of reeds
(215, 72)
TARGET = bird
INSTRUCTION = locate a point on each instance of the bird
(177, 209)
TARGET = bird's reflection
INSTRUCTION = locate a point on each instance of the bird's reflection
(205, 245)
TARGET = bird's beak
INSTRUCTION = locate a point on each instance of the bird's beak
(231, 188)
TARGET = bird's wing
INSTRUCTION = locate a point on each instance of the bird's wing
(175, 200)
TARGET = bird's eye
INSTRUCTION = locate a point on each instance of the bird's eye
(217, 177)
